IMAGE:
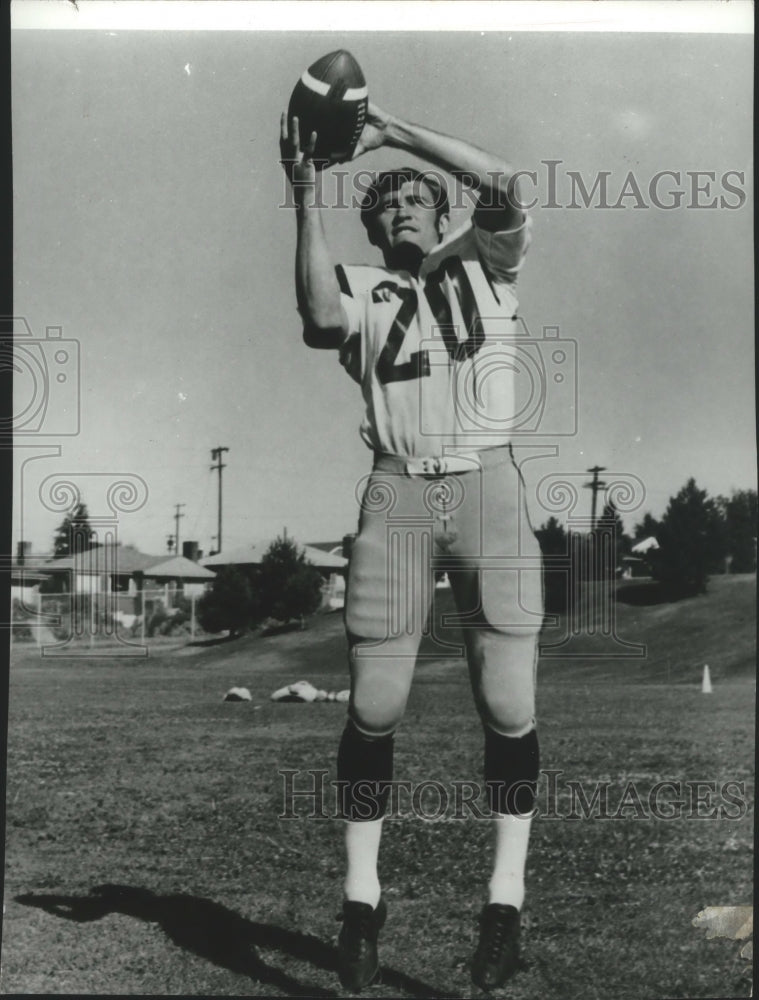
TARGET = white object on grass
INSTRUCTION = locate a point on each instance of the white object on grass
(299, 691)
(304, 691)
(237, 694)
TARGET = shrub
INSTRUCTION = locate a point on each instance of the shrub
(175, 622)
(289, 586)
(229, 604)
(20, 617)
(155, 620)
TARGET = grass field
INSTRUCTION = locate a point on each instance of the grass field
(145, 854)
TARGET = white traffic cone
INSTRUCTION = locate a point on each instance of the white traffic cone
(706, 683)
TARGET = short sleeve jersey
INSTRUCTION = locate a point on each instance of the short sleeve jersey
(434, 354)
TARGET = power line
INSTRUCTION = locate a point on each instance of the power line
(177, 516)
(216, 454)
(596, 486)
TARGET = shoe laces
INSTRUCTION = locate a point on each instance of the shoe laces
(496, 940)
(359, 927)
(497, 935)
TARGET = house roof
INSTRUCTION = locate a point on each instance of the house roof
(324, 560)
(29, 561)
(645, 544)
(326, 546)
(116, 560)
(247, 555)
(24, 576)
(251, 555)
(181, 569)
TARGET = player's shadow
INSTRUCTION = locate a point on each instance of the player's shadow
(218, 935)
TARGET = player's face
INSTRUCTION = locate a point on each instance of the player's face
(407, 218)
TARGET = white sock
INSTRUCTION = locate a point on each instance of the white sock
(362, 840)
(512, 835)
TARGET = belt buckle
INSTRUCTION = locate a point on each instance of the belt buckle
(433, 467)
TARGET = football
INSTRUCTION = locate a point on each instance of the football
(330, 99)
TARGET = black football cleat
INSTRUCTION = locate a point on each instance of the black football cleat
(357, 960)
(497, 956)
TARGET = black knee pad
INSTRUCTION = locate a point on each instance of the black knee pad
(364, 770)
(512, 765)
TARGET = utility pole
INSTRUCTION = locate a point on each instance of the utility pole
(596, 486)
(177, 515)
(216, 454)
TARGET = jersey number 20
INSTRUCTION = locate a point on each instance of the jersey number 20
(418, 364)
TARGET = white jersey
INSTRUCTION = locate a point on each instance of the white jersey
(435, 354)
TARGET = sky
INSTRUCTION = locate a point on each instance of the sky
(149, 228)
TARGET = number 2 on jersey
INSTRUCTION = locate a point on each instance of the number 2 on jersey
(418, 364)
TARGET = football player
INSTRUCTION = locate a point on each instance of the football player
(426, 334)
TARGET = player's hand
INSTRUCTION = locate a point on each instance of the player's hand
(374, 133)
(297, 162)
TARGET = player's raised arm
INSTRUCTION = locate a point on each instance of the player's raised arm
(325, 323)
(493, 178)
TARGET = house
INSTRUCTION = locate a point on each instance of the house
(106, 569)
(638, 564)
(25, 584)
(179, 574)
(121, 572)
(331, 566)
(27, 574)
(343, 547)
(251, 555)
(632, 568)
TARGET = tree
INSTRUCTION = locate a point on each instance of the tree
(290, 587)
(691, 540)
(611, 521)
(74, 533)
(229, 604)
(554, 541)
(552, 538)
(740, 515)
(647, 528)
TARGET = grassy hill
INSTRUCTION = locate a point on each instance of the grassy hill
(678, 638)
(718, 628)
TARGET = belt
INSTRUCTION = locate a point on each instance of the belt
(443, 465)
(430, 467)
(437, 466)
